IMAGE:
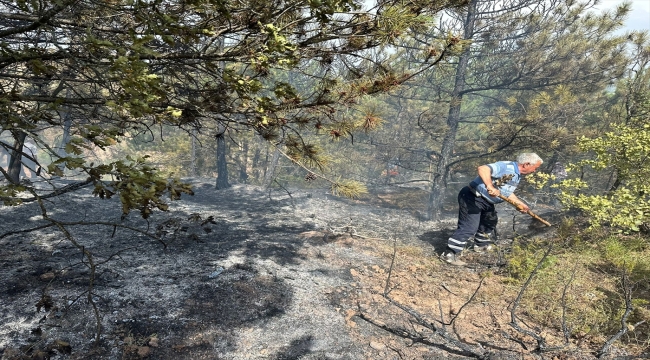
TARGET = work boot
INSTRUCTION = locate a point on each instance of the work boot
(452, 258)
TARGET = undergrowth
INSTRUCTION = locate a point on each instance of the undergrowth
(579, 284)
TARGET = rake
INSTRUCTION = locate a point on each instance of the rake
(502, 180)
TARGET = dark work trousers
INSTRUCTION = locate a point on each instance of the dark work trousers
(477, 219)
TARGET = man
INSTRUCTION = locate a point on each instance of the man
(477, 216)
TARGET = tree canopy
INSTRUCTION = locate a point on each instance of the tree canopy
(99, 72)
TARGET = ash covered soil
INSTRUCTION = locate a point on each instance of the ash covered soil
(250, 274)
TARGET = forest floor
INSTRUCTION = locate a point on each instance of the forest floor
(252, 274)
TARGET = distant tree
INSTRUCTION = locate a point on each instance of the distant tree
(271, 169)
(193, 153)
(222, 166)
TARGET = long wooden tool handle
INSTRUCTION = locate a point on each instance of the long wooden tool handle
(532, 214)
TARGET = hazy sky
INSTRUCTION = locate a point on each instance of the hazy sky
(639, 17)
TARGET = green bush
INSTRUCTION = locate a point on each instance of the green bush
(581, 280)
(622, 152)
(525, 256)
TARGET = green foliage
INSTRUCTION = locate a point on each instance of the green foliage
(610, 183)
(579, 284)
(624, 151)
(324, 9)
(139, 186)
(629, 254)
(539, 179)
(563, 287)
(525, 256)
(169, 154)
(9, 194)
(348, 188)
(306, 154)
(543, 119)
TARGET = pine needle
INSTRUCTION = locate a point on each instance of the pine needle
(349, 189)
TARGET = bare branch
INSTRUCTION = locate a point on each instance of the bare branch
(541, 342)
(41, 21)
(390, 268)
(629, 307)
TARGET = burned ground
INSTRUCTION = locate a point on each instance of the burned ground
(252, 274)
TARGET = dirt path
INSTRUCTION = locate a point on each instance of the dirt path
(244, 275)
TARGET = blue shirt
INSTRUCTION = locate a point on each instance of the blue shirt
(499, 169)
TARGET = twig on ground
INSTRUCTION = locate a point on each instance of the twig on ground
(419, 339)
(442, 314)
(465, 349)
(471, 298)
(444, 286)
(293, 204)
(565, 329)
(390, 268)
(507, 336)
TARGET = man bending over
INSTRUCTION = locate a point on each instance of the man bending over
(477, 217)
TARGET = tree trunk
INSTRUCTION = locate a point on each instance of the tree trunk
(66, 116)
(266, 166)
(15, 161)
(256, 162)
(243, 165)
(67, 123)
(270, 170)
(193, 153)
(439, 183)
(222, 166)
